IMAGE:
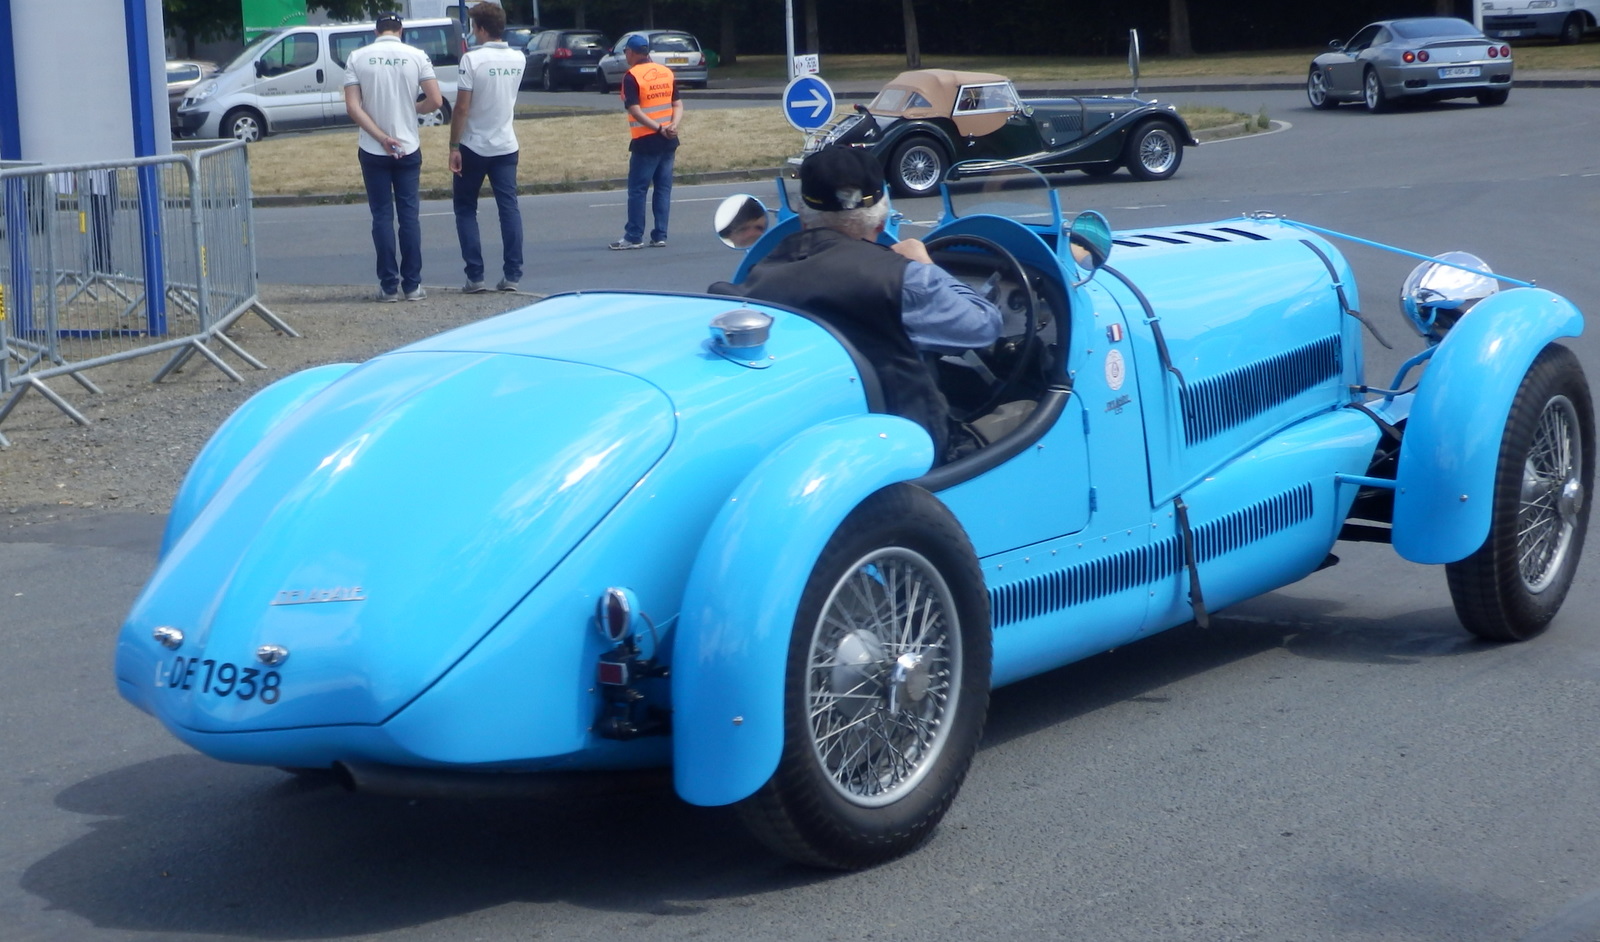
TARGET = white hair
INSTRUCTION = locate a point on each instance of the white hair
(862, 223)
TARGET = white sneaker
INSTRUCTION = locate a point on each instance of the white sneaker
(416, 294)
(473, 287)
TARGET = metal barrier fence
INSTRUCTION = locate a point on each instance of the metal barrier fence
(104, 262)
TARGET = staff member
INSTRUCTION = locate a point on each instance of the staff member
(650, 95)
(382, 85)
(483, 143)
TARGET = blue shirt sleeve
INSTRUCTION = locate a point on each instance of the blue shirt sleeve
(939, 310)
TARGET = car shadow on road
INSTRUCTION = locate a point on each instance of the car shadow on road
(185, 844)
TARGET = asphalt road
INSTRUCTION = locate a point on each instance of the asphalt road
(1335, 761)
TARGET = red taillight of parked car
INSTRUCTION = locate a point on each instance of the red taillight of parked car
(1494, 52)
(1422, 56)
(562, 53)
(1408, 57)
(1505, 52)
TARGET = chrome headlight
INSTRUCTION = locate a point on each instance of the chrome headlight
(1437, 293)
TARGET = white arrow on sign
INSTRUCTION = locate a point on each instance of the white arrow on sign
(816, 103)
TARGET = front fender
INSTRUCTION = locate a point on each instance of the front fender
(730, 656)
(238, 434)
(1445, 483)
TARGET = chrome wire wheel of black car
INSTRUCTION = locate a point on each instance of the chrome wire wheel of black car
(1372, 92)
(1317, 89)
(886, 689)
(917, 167)
(1513, 585)
(1154, 151)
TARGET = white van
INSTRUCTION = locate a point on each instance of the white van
(1566, 20)
(292, 78)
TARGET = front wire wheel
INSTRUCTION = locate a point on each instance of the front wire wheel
(1154, 151)
(1372, 93)
(1512, 587)
(917, 168)
(886, 690)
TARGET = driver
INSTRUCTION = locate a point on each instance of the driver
(891, 302)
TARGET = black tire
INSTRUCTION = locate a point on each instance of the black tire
(544, 80)
(1154, 151)
(831, 804)
(1514, 584)
(1101, 170)
(1494, 96)
(916, 167)
(600, 82)
(243, 124)
(1571, 30)
(1372, 93)
(1317, 90)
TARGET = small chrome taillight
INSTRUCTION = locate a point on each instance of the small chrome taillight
(614, 612)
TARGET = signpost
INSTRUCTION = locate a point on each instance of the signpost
(808, 102)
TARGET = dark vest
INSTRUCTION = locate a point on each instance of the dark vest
(854, 286)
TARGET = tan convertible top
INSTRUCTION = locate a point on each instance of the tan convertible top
(939, 87)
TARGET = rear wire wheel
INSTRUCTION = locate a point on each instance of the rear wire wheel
(1515, 583)
(886, 689)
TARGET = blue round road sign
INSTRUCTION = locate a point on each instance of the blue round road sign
(808, 102)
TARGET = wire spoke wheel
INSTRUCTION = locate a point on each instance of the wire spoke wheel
(1513, 585)
(886, 687)
(1552, 495)
(916, 168)
(1153, 151)
(885, 672)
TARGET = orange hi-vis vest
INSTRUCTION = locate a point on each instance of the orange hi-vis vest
(655, 96)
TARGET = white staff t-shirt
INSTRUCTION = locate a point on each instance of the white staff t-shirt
(390, 74)
(492, 73)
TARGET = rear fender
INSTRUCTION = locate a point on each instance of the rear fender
(1445, 482)
(240, 433)
(732, 648)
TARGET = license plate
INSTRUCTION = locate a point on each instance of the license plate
(586, 68)
(677, 60)
(223, 679)
(1460, 71)
(1507, 33)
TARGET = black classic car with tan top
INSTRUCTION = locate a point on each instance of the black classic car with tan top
(924, 121)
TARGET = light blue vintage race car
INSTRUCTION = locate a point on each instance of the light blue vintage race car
(620, 531)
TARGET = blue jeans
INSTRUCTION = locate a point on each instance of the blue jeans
(391, 187)
(643, 170)
(502, 174)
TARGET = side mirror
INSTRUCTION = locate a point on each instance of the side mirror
(1090, 241)
(1335, 45)
(261, 69)
(740, 220)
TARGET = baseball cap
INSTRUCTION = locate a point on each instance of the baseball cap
(837, 178)
(638, 43)
(388, 23)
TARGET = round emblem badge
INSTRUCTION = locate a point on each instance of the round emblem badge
(1116, 370)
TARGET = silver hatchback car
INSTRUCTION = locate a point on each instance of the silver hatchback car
(1421, 58)
(675, 49)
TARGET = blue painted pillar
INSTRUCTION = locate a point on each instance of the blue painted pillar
(144, 145)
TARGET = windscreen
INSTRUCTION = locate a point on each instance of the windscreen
(1001, 188)
(1437, 28)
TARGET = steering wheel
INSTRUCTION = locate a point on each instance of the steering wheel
(1008, 358)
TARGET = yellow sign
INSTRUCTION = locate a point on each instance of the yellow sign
(2, 304)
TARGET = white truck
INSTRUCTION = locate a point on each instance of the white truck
(1566, 20)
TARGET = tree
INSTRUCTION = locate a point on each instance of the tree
(352, 9)
(812, 45)
(908, 13)
(197, 20)
(1178, 43)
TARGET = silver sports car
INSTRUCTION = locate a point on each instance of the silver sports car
(1429, 57)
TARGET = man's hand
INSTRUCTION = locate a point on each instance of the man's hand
(455, 161)
(668, 129)
(914, 250)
